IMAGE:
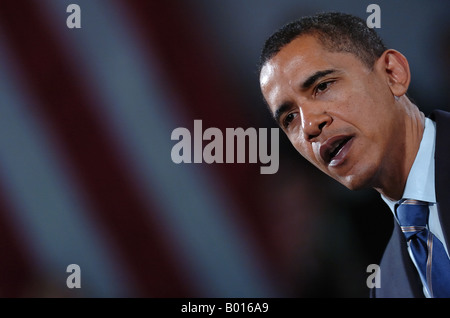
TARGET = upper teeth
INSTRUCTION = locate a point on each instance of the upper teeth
(336, 146)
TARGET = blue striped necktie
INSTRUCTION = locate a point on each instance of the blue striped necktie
(428, 251)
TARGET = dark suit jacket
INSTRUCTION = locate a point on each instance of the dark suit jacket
(399, 277)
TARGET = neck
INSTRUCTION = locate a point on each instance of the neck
(392, 181)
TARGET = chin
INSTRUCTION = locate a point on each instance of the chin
(354, 187)
(360, 177)
(355, 183)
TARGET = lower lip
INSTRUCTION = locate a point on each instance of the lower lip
(340, 157)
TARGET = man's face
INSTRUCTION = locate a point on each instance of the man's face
(339, 114)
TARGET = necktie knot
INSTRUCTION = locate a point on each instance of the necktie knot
(412, 216)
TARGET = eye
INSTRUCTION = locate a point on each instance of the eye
(288, 119)
(322, 87)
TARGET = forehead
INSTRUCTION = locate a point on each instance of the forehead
(298, 60)
(304, 53)
(302, 47)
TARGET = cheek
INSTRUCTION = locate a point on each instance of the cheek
(303, 147)
(307, 151)
(346, 103)
(362, 110)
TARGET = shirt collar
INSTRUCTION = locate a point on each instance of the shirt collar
(420, 182)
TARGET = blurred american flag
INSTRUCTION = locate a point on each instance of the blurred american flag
(85, 170)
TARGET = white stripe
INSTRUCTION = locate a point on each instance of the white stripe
(51, 214)
(211, 246)
(430, 262)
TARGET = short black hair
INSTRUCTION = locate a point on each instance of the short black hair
(338, 32)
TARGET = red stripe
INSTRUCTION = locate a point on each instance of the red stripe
(92, 154)
(196, 75)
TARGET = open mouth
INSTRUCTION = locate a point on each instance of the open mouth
(339, 148)
(334, 150)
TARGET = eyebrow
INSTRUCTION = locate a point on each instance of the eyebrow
(315, 77)
(310, 81)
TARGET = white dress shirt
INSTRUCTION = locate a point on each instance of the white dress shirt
(420, 185)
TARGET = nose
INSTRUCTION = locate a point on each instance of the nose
(313, 123)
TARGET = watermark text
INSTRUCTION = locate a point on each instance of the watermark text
(230, 150)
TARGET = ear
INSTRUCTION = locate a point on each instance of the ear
(396, 69)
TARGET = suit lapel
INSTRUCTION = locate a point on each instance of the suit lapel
(399, 277)
(442, 170)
